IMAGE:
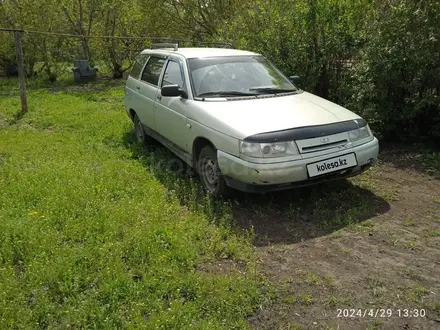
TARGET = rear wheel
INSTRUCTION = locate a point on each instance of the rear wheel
(139, 130)
(209, 171)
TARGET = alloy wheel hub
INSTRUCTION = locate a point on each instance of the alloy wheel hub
(210, 174)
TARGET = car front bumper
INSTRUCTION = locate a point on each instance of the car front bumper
(256, 177)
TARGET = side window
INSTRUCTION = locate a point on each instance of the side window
(173, 75)
(139, 63)
(152, 70)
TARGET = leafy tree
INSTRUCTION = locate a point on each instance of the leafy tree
(40, 16)
(379, 58)
(310, 38)
(81, 16)
(119, 21)
(399, 72)
(201, 20)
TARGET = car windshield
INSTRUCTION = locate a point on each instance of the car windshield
(235, 76)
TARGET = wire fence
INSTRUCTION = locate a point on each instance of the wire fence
(51, 55)
(28, 53)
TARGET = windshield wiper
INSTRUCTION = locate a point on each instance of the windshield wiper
(227, 93)
(273, 90)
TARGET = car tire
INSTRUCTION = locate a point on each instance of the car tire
(139, 131)
(210, 174)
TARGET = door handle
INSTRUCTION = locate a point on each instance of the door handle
(159, 97)
(138, 87)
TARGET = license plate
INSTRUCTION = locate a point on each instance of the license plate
(331, 165)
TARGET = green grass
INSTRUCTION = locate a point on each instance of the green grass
(416, 293)
(434, 233)
(431, 160)
(376, 286)
(92, 236)
(313, 279)
(294, 326)
(409, 223)
(305, 298)
(375, 325)
(338, 301)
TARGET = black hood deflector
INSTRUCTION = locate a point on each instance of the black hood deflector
(307, 132)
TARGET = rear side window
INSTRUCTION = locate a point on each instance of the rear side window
(139, 63)
(152, 70)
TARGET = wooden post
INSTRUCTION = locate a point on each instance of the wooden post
(21, 76)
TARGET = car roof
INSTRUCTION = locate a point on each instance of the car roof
(190, 52)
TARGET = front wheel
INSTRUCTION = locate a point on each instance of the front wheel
(209, 171)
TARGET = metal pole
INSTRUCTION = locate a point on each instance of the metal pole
(21, 77)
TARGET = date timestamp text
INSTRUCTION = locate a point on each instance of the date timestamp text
(380, 312)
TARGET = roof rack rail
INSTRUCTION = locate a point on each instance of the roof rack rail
(175, 46)
(215, 43)
(165, 45)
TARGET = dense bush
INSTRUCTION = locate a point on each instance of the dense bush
(398, 86)
(8, 66)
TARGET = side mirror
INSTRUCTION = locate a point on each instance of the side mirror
(295, 79)
(173, 91)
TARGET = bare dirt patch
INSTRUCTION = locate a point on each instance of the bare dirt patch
(369, 243)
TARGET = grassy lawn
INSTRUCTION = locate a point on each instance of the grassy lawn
(98, 232)
(89, 235)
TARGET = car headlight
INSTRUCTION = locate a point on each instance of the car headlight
(359, 133)
(268, 150)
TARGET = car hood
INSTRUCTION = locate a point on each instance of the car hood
(242, 118)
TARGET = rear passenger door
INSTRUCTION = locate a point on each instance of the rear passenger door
(147, 88)
(131, 92)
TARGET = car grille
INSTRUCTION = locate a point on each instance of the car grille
(322, 143)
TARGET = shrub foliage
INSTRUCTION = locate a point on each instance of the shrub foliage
(378, 58)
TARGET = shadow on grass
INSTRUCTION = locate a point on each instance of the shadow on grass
(301, 214)
(286, 217)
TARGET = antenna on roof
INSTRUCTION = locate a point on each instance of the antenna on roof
(175, 47)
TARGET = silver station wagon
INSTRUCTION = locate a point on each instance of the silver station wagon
(240, 123)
